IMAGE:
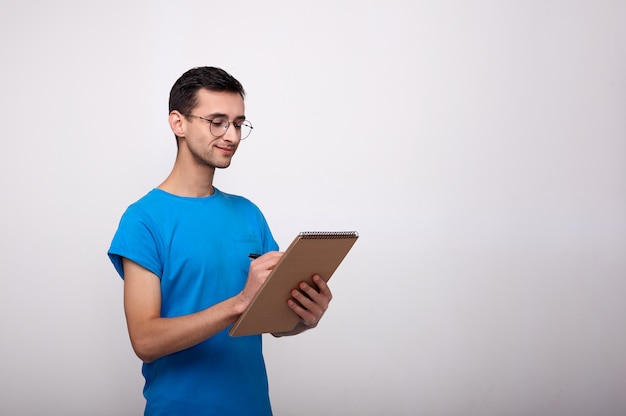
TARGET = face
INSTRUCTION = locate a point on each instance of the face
(195, 137)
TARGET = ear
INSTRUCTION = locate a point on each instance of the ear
(177, 122)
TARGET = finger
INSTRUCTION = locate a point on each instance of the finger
(320, 298)
(267, 261)
(323, 287)
(306, 316)
(306, 300)
(270, 257)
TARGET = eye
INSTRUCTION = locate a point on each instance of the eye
(219, 122)
(243, 124)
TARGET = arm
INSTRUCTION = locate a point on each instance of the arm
(310, 304)
(153, 336)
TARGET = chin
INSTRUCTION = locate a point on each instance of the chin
(223, 165)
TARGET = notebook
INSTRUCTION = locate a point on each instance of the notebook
(312, 252)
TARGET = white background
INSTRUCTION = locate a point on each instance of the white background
(479, 148)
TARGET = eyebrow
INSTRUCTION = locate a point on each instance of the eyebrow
(214, 115)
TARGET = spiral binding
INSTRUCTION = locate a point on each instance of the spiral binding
(328, 235)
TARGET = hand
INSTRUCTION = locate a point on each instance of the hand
(310, 303)
(260, 269)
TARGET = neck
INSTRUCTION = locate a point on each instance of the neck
(190, 181)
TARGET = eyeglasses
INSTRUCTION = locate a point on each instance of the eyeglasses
(218, 126)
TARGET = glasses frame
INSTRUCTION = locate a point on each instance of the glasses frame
(228, 123)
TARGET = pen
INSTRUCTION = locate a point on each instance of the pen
(254, 255)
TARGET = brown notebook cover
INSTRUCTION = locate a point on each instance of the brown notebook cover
(310, 253)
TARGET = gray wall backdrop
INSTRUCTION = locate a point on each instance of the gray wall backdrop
(479, 147)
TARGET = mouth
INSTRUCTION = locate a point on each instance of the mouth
(226, 150)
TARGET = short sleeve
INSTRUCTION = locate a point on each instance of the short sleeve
(135, 240)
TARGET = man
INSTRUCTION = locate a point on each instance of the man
(182, 251)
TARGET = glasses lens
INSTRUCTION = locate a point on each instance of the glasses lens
(245, 129)
(218, 126)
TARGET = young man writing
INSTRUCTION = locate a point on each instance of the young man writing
(182, 251)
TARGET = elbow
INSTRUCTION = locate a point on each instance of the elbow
(145, 357)
(143, 350)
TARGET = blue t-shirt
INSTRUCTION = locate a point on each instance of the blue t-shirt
(199, 249)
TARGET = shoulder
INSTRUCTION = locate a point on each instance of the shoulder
(242, 207)
(236, 200)
(153, 197)
(152, 204)
(232, 197)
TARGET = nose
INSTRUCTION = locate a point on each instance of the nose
(231, 134)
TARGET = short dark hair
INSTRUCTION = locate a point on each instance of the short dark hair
(183, 94)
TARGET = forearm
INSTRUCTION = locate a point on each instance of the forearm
(154, 336)
(157, 337)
